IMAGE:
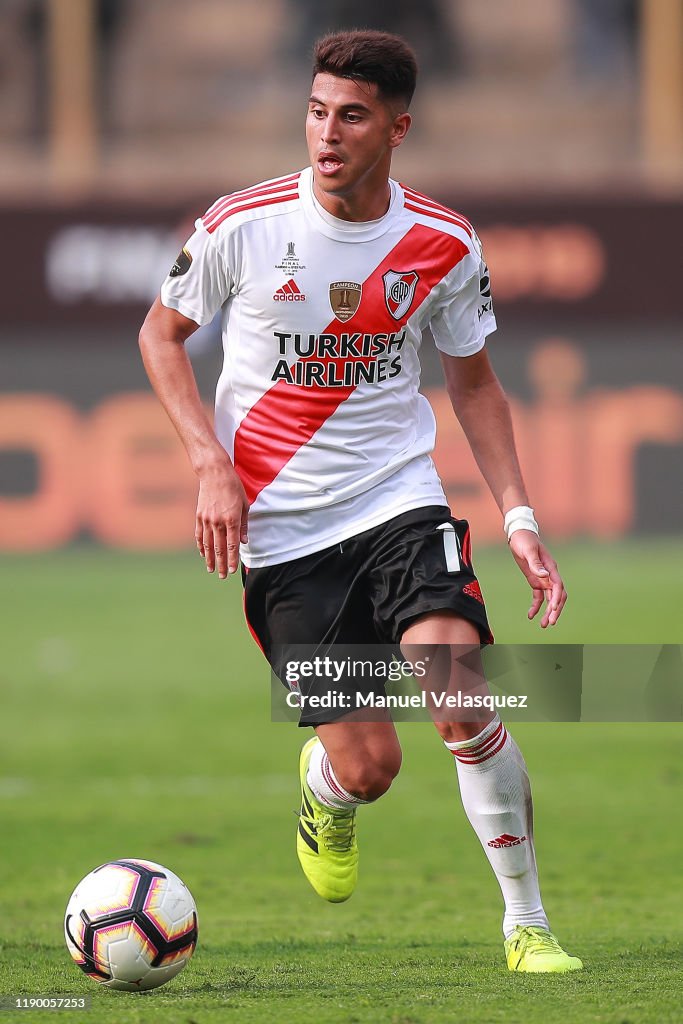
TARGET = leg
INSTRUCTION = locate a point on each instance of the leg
(494, 785)
(315, 604)
(452, 643)
(365, 756)
(496, 795)
(347, 764)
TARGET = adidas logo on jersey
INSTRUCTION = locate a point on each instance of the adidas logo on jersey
(289, 293)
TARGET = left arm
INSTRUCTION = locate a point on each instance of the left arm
(482, 409)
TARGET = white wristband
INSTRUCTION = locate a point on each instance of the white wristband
(519, 518)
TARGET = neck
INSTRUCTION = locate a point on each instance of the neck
(355, 206)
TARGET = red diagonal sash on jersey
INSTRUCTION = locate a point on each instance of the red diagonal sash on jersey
(288, 415)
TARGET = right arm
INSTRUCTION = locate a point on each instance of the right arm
(222, 507)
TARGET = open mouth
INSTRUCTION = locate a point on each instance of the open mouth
(329, 163)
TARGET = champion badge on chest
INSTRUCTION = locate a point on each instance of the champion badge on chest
(399, 291)
(345, 299)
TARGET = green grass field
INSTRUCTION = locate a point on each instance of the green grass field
(136, 722)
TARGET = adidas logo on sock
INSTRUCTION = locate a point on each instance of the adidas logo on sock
(289, 293)
(502, 842)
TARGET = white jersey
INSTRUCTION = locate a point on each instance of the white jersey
(322, 319)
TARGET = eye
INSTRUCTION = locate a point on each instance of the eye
(317, 113)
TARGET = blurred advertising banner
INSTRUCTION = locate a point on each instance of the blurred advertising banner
(86, 451)
(588, 348)
(100, 265)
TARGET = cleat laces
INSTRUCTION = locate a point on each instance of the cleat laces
(337, 831)
(540, 941)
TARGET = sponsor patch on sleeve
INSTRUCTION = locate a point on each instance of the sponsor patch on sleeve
(182, 263)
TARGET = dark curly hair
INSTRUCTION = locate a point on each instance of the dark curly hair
(378, 58)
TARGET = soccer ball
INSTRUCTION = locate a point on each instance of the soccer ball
(131, 924)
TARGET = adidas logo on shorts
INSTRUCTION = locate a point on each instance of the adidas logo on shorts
(289, 293)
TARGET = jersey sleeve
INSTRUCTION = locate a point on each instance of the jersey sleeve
(465, 317)
(199, 281)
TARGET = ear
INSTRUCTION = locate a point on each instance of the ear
(399, 129)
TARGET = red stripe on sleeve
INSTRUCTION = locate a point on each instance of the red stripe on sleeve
(447, 218)
(255, 204)
(248, 194)
(418, 198)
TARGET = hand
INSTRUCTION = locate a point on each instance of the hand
(221, 524)
(540, 569)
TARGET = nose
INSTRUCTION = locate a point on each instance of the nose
(330, 131)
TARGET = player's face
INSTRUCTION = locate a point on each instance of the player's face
(351, 133)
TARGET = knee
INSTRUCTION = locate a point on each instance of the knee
(370, 778)
(457, 732)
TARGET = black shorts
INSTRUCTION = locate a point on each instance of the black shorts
(368, 589)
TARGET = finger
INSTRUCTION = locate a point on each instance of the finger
(209, 553)
(235, 533)
(243, 525)
(537, 602)
(220, 547)
(555, 605)
(233, 556)
(199, 535)
(557, 596)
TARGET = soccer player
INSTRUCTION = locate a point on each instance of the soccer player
(318, 470)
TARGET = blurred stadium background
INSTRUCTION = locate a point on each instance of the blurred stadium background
(557, 127)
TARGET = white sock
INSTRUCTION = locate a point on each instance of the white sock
(496, 795)
(324, 782)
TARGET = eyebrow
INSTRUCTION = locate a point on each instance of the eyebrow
(346, 106)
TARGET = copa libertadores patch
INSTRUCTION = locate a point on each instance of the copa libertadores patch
(182, 263)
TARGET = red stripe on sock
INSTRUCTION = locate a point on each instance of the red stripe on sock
(326, 769)
(475, 753)
(480, 745)
(483, 755)
(500, 746)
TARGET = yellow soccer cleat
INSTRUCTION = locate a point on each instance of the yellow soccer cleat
(537, 951)
(326, 841)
